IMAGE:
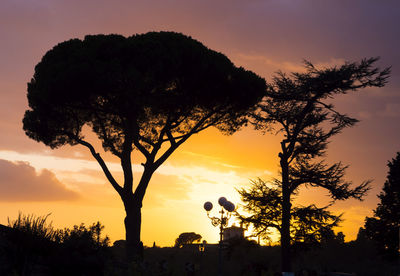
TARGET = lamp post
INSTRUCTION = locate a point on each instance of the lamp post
(227, 208)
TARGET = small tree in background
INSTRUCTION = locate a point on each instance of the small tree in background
(384, 227)
(298, 107)
(187, 238)
(148, 92)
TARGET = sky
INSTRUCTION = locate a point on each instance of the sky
(260, 35)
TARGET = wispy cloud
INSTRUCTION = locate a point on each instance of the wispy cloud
(288, 66)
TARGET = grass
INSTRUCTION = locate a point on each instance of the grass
(35, 226)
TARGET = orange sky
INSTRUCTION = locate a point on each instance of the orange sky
(263, 36)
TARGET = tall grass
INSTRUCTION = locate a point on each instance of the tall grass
(35, 226)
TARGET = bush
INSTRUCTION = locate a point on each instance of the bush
(30, 245)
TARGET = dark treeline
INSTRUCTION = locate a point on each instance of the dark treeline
(81, 250)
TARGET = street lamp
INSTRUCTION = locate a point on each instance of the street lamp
(227, 208)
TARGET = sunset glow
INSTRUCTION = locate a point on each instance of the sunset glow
(262, 36)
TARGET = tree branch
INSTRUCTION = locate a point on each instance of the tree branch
(183, 138)
(144, 139)
(171, 138)
(136, 141)
(126, 162)
(106, 136)
(102, 164)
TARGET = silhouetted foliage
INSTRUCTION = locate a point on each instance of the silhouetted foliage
(27, 240)
(310, 225)
(187, 238)
(384, 227)
(362, 235)
(148, 92)
(238, 244)
(340, 237)
(246, 258)
(241, 257)
(31, 246)
(86, 237)
(298, 107)
(82, 249)
(35, 226)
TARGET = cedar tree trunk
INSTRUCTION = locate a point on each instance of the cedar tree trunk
(286, 206)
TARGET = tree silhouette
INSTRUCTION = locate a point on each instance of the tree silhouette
(310, 225)
(148, 92)
(384, 227)
(187, 238)
(298, 106)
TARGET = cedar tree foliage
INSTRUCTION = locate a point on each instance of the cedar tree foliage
(148, 92)
(310, 225)
(384, 227)
(298, 106)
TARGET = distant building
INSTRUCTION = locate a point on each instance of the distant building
(233, 232)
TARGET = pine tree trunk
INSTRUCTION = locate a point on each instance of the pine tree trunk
(133, 220)
(286, 264)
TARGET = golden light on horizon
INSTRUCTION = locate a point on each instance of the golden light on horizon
(174, 201)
